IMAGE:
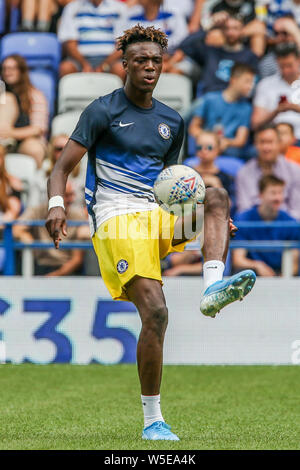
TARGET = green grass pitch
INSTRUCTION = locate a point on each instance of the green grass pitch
(98, 407)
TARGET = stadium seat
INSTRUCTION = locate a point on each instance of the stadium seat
(230, 165)
(65, 123)
(77, 90)
(175, 91)
(41, 50)
(24, 168)
(45, 82)
(2, 16)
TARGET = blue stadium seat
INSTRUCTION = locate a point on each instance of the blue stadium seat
(41, 50)
(191, 161)
(45, 82)
(2, 16)
(230, 165)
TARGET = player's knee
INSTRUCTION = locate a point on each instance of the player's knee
(157, 319)
(216, 199)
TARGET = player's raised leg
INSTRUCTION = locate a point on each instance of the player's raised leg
(148, 297)
(217, 292)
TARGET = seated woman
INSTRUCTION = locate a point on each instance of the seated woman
(24, 116)
(10, 191)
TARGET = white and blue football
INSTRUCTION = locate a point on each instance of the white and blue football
(178, 189)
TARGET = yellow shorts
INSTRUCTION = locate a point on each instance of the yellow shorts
(132, 245)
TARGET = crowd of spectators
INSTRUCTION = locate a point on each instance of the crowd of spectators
(243, 126)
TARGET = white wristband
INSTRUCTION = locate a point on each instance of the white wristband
(56, 201)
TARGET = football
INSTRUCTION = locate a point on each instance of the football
(178, 189)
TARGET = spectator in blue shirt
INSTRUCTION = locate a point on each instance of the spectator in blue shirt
(265, 263)
(227, 112)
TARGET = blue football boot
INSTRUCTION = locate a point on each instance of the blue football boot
(159, 431)
(222, 293)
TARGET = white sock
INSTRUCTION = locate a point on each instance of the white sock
(212, 272)
(151, 408)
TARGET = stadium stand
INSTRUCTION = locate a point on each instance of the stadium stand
(175, 91)
(24, 167)
(41, 50)
(77, 90)
(65, 123)
(68, 96)
(45, 83)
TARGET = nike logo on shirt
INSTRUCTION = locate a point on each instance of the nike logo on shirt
(125, 125)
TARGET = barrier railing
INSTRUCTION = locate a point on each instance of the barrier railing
(11, 245)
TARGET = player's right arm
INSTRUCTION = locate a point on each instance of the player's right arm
(93, 121)
(70, 157)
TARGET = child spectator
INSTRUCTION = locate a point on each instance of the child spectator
(269, 161)
(88, 30)
(288, 142)
(24, 116)
(265, 263)
(227, 112)
(52, 262)
(217, 61)
(208, 148)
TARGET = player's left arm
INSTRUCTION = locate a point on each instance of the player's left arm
(93, 120)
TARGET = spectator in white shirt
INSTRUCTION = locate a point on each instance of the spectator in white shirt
(88, 30)
(276, 97)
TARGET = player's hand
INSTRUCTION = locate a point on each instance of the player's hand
(56, 224)
(232, 228)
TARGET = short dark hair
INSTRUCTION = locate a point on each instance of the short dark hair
(140, 34)
(266, 127)
(288, 124)
(284, 49)
(269, 180)
(239, 69)
(236, 17)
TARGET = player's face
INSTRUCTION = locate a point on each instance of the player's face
(267, 144)
(143, 64)
(273, 197)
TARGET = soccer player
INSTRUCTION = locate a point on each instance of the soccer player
(130, 138)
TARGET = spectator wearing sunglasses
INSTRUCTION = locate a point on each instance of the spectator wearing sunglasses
(285, 31)
(208, 148)
(227, 112)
